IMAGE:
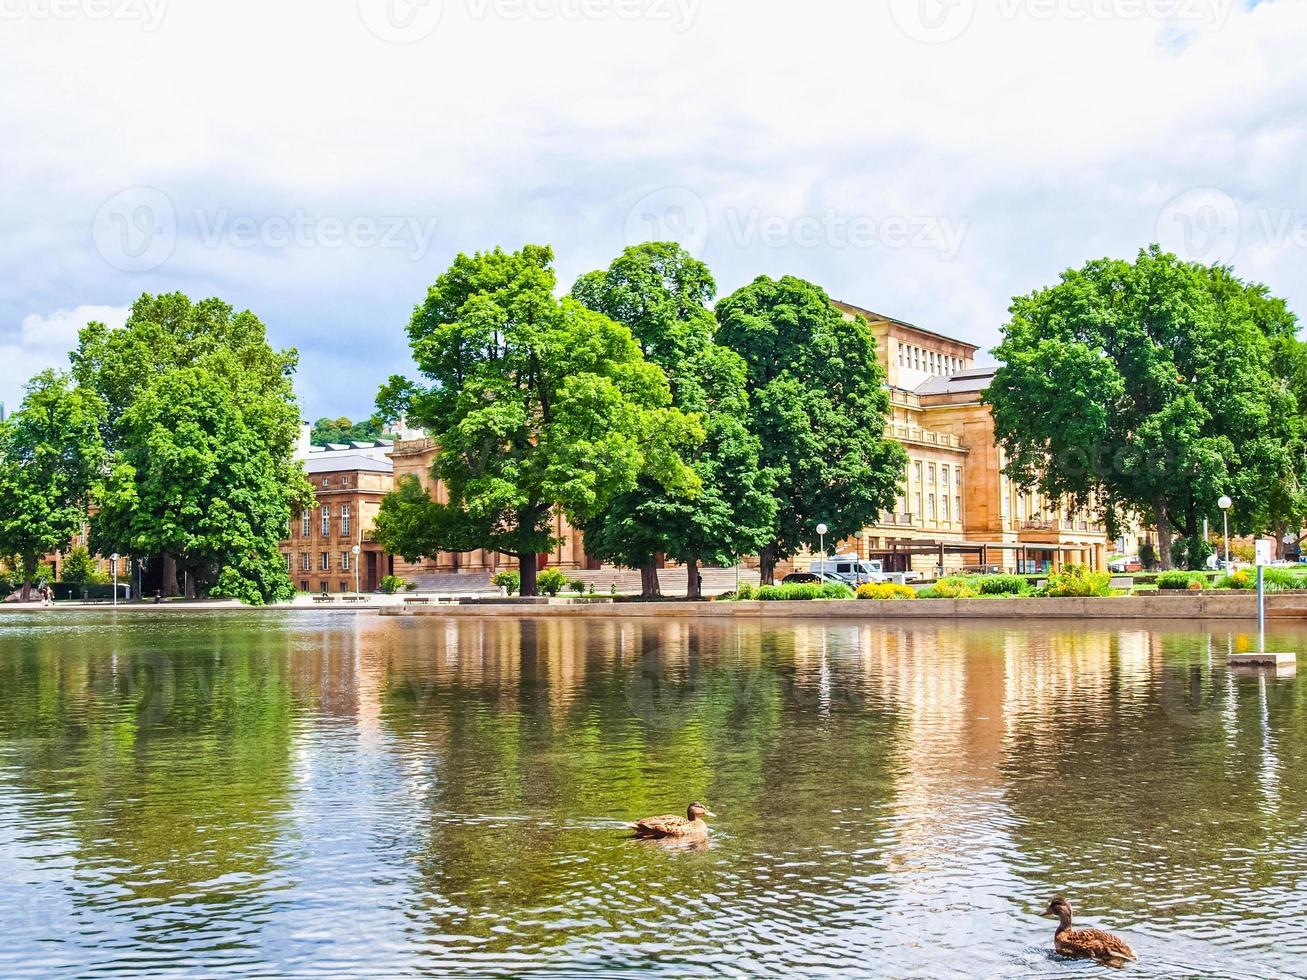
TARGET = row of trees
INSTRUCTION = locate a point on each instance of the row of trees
(656, 425)
(176, 435)
(1151, 389)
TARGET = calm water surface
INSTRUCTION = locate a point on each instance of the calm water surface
(331, 794)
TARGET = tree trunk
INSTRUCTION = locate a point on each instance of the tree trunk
(29, 573)
(767, 565)
(649, 585)
(1280, 530)
(189, 578)
(168, 577)
(528, 567)
(1163, 536)
(694, 581)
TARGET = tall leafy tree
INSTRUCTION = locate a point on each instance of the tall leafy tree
(1147, 387)
(144, 374)
(51, 458)
(342, 430)
(661, 293)
(819, 408)
(536, 404)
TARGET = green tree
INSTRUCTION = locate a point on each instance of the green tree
(1146, 387)
(536, 404)
(51, 456)
(661, 293)
(819, 408)
(342, 430)
(144, 373)
(79, 568)
(195, 479)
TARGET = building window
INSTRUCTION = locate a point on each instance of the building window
(957, 509)
(305, 562)
(920, 513)
(943, 503)
(344, 520)
(326, 563)
(957, 476)
(930, 503)
(326, 520)
(916, 471)
(344, 561)
(306, 526)
(326, 482)
(943, 475)
(288, 569)
(931, 471)
(902, 356)
(344, 586)
(304, 585)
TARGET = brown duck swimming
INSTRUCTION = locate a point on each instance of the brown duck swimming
(1085, 943)
(690, 825)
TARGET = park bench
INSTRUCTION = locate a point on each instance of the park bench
(324, 598)
(1124, 582)
(417, 600)
(353, 598)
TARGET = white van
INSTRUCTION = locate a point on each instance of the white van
(854, 571)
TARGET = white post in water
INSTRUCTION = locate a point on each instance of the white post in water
(1225, 503)
(1265, 551)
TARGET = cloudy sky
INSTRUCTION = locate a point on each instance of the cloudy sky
(321, 161)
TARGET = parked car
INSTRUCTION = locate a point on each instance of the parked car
(1122, 566)
(855, 571)
(802, 578)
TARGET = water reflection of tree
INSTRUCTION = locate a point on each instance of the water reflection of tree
(158, 762)
(564, 729)
(1138, 764)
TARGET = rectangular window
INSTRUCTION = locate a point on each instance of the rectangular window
(930, 503)
(306, 525)
(943, 503)
(918, 511)
(288, 568)
(902, 351)
(931, 471)
(344, 561)
(326, 520)
(957, 476)
(916, 470)
(326, 563)
(957, 509)
(344, 520)
(326, 481)
(305, 562)
(943, 475)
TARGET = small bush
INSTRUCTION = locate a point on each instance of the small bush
(551, 581)
(1276, 579)
(510, 582)
(746, 591)
(1178, 581)
(1242, 579)
(1077, 581)
(577, 585)
(789, 593)
(955, 587)
(1004, 585)
(391, 584)
(886, 590)
(836, 590)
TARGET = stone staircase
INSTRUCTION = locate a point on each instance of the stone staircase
(716, 581)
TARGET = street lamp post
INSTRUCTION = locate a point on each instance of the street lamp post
(821, 531)
(357, 551)
(1225, 503)
(114, 559)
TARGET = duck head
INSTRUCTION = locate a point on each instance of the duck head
(1058, 908)
(698, 811)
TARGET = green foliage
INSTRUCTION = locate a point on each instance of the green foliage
(1242, 579)
(1179, 581)
(1004, 585)
(202, 425)
(836, 590)
(578, 585)
(789, 593)
(538, 405)
(1148, 556)
(1148, 387)
(551, 581)
(328, 431)
(954, 587)
(510, 582)
(746, 591)
(390, 584)
(1191, 552)
(1275, 580)
(886, 590)
(51, 459)
(661, 293)
(818, 407)
(1078, 581)
(79, 568)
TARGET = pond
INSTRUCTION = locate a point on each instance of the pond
(325, 793)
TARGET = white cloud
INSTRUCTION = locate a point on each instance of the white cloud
(1057, 130)
(43, 341)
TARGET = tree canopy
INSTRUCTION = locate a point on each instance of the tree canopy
(202, 424)
(536, 404)
(660, 292)
(325, 431)
(1149, 387)
(818, 406)
(51, 459)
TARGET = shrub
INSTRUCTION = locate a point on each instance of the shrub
(789, 593)
(510, 582)
(956, 587)
(79, 568)
(1004, 585)
(1148, 555)
(1178, 581)
(1242, 579)
(391, 584)
(1077, 581)
(746, 591)
(1276, 579)
(577, 585)
(836, 590)
(551, 582)
(886, 590)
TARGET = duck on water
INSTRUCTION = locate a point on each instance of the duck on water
(1086, 943)
(691, 825)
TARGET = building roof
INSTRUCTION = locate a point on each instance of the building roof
(971, 381)
(874, 316)
(345, 462)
